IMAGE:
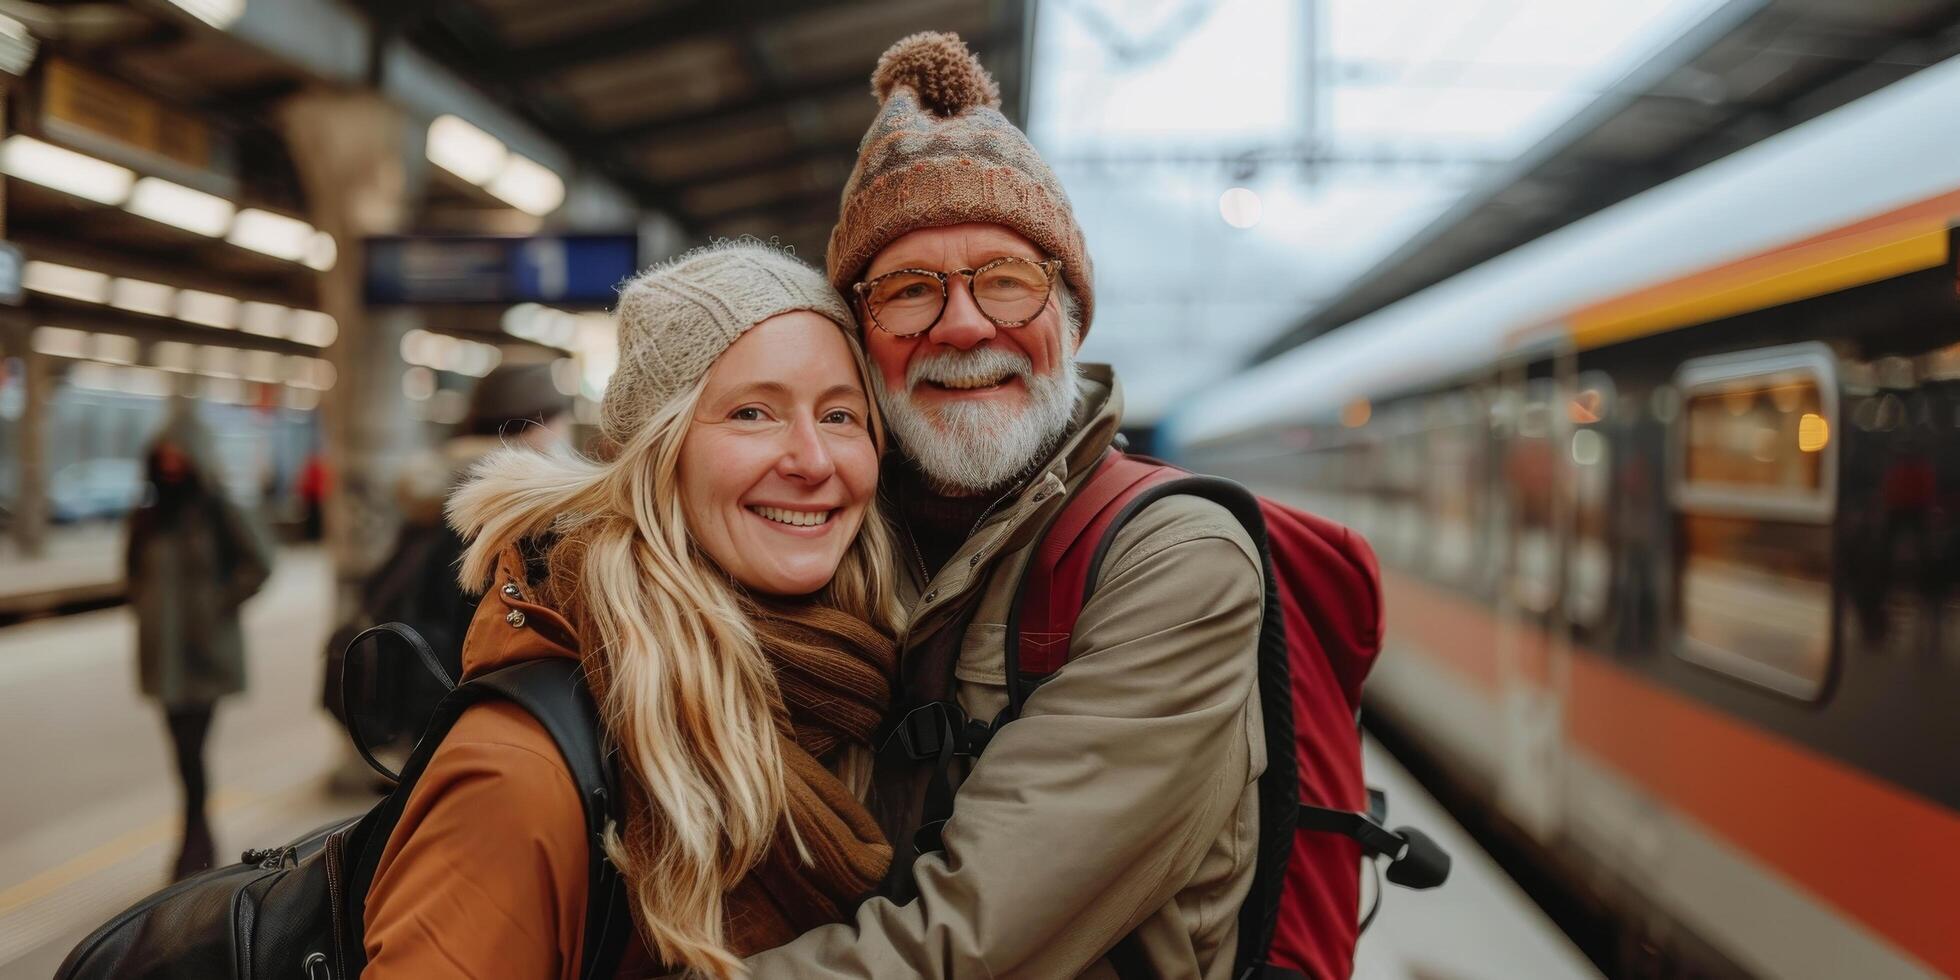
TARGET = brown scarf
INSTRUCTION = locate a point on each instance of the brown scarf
(835, 673)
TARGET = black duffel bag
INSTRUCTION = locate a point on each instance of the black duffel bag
(296, 911)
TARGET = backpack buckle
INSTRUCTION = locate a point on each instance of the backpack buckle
(923, 732)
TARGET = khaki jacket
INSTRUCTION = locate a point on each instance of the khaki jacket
(1124, 798)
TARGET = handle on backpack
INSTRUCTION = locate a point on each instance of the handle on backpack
(416, 643)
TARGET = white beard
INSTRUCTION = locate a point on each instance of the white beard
(977, 446)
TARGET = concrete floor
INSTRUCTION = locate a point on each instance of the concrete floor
(90, 820)
(91, 813)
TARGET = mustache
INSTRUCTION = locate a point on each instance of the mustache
(953, 364)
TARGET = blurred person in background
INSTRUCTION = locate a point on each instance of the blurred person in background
(193, 558)
(312, 485)
(516, 405)
(725, 578)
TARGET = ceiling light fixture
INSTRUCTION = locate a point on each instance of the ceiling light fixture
(65, 170)
(464, 150)
(65, 281)
(1240, 207)
(138, 296)
(218, 13)
(208, 309)
(528, 186)
(174, 204)
(321, 252)
(264, 319)
(273, 234)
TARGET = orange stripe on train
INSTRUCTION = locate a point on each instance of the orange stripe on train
(1880, 854)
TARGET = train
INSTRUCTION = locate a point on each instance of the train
(1668, 508)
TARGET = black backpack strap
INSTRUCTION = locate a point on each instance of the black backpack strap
(555, 693)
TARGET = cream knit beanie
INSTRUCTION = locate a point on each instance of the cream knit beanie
(676, 318)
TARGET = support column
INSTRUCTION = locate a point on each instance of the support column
(353, 154)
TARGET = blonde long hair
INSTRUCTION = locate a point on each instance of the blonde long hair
(686, 690)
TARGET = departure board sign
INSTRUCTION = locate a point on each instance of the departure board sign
(557, 270)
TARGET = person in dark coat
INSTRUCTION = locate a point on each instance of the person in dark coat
(193, 558)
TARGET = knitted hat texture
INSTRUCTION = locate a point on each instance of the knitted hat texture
(677, 318)
(940, 153)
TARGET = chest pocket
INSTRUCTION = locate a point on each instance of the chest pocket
(981, 670)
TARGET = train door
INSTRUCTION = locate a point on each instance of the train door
(1530, 432)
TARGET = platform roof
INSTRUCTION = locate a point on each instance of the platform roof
(732, 116)
(1756, 69)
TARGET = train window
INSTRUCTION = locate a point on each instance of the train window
(1589, 565)
(1529, 471)
(1454, 443)
(1756, 473)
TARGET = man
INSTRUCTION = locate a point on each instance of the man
(1114, 822)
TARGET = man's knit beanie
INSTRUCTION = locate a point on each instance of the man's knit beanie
(941, 153)
(677, 318)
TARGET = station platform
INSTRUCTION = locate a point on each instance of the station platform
(91, 820)
(81, 564)
(1478, 926)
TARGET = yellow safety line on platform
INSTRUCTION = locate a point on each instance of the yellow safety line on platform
(117, 849)
(1771, 280)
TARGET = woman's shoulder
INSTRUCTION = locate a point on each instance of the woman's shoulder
(502, 741)
(486, 868)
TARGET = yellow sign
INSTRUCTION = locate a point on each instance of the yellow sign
(78, 97)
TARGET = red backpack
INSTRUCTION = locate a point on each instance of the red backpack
(1321, 632)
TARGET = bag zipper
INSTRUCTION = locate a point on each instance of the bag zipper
(332, 860)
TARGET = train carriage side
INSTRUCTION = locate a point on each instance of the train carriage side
(1679, 598)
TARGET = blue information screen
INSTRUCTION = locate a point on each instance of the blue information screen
(559, 270)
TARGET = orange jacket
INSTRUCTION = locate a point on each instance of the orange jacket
(485, 875)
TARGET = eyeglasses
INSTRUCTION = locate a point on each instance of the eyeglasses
(1009, 291)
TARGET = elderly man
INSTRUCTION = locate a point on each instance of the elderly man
(1110, 830)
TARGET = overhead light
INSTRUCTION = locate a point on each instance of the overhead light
(137, 296)
(273, 234)
(17, 46)
(314, 328)
(264, 319)
(1240, 207)
(262, 366)
(209, 309)
(61, 342)
(225, 391)
(218, 13)
(217, 362)
(528, 186)
(66, 281)
(174, 204)
(174, 356)
(65, 170)
(464, 150)
(320, 252)
(114, 348)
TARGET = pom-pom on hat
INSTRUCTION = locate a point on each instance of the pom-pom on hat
(676, 318)
(941, 153)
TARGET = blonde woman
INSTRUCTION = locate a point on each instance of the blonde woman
(725, 579)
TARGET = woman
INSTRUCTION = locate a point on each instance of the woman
(192, 559)
(724, 577)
